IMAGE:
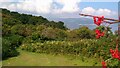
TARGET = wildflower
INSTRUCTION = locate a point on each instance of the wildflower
(98, 20)
(102, 34)
(115, 53)
(104, 64)
(97, 37)
(111, 51)
(99, 33)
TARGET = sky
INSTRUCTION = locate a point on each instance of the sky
(63, 8)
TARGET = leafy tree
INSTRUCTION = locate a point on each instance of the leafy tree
(8, 50)
(85, 32)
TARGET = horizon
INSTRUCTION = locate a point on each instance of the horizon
(70, 22)
(64, 9)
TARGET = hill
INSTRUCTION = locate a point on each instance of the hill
(12, 18)
(75, 23)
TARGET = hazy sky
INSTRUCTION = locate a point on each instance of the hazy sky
(63, 8)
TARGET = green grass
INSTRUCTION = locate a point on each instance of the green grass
(36, 59)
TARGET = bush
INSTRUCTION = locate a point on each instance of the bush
(85, 33)
(86, 47)
(23, 30)
(15, 40)
(7, 49)
(9, 45)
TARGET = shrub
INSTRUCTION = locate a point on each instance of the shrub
(85, 33)
(86, 47)
(15, 40)
(7, 49)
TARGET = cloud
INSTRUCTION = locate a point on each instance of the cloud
(88, 10)
(43, 6)
(69, 6)
(63, 8)
(5, 0)
(100, 12)
(11, 0)
(38, 6)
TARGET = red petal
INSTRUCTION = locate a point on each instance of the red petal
(102, 34)
(97, 36)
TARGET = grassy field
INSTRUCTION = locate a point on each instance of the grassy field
(35, 59)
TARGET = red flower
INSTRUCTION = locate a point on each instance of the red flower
(98, 20)
(98, 33)
(111, 51)
(119, 56)
(115, 53)
(102, 34)
(104, 64)
(97, 36)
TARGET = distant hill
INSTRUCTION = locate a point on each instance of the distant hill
(74, 23)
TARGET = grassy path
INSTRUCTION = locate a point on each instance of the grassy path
(35, 59)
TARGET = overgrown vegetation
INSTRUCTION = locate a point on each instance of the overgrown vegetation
(84, 47)
(37, 34)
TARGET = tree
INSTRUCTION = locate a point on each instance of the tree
(85, 32)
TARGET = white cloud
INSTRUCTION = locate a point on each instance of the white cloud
(69, 5)
(5, 0)
(38, 6)
(100, 12)
(106, 12)
(88, 10)
(43, 6)
(11, 0)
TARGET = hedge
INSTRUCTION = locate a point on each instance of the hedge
(86, 47)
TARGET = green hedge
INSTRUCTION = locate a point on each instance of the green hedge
(86, 47)
(9, 45)
(7, 49)
(15, 40)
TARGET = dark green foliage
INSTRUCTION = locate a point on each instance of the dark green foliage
(8, 50)
(9, 45)
(85, 32)
(6, 30)
(10, 21)
(12, 18)
(15, 40)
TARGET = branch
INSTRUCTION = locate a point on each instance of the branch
(116, 21)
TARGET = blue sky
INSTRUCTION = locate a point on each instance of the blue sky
(108, 5)
(63, 8)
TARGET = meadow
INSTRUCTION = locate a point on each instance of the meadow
(35, 41)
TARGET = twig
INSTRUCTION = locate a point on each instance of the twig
(116, 21)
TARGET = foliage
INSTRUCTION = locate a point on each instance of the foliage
(9, 45)
(86, 47)
(8, 50)
(12, 18)
(85, 32)
(15, 40)
(37, 34)
(107, 30)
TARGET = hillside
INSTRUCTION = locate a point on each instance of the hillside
(12, 18)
